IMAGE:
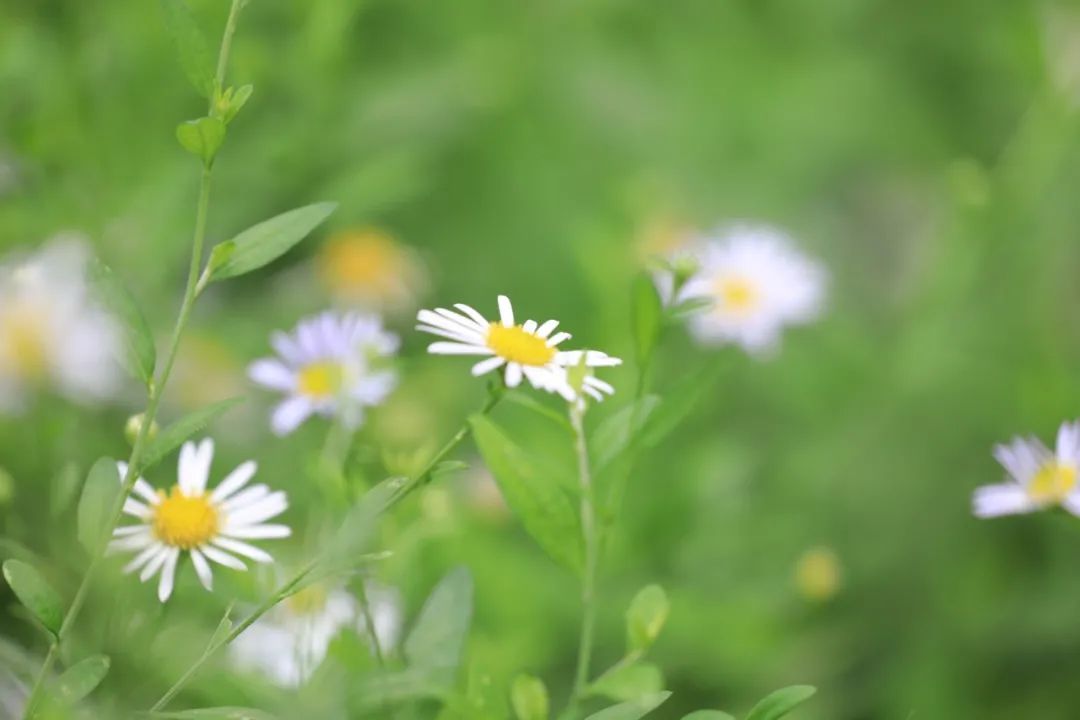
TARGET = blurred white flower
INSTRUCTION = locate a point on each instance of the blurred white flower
(755, 282)
(288, 643)
(1038, 479)
(528, 350)
(331, 365)
(52, 333)
(206, 525)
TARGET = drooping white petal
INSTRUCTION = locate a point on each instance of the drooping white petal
(202, 569)
(168, 574)
(156, 561)
(222, 558)
(259, 532)
(1003, 499)
(289, 414)
(244, 549)
(272, 374)
(487, 365)
(133, 541)
(142, 558)
(450, 348)
(513, 374)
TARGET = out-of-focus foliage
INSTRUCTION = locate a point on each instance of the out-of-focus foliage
(927, 154)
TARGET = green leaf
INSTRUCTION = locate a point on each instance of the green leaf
(629, 682)
(103, 484)
(263, 243)
(224, 627)
(708, 715)
(139, 354)
(538, 501)
(779, 703)
(438, 637)
(356, 529)
(633, 709)
(232, 102)
(647, 316)
(448, 467)
(615, 433)
(529, 697)
(190, 45)
(202, 138)
(678, 403)
(173, 436)
(689, 307)
(65, 488)
(216, 713)
(35, 594)
(80, 679)
(646, 616)
(528, 400)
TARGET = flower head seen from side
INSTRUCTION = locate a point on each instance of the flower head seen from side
(208, 525)
(290, 642)
(754, 282)
(333, 365)
(52, 332)
(527, 351)
(1037, 478)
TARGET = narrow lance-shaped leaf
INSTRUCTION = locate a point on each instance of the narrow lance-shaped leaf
(80, 679)
(538, 501)
(138, 351)
(779, 703)
(190, 45)
(437, 639)
(632, 710)
(263, 243)
(174, 435)
(35, 594)
(96, 502)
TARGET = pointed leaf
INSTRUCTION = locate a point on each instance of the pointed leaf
(629, 682)
(103, 484)
(538, 501)
(438, 637)
(708, 715)
(80, 679)
(216, 713)
(648, 315)
(778, 704)
(202, 138)
(356, 530)
(139, 354)
(263, 243)
(678, 403)
(632, 710)
(529, 696)
(190, 45)
(35, 594)
(618, 430)
(646, 616)
(173, 436)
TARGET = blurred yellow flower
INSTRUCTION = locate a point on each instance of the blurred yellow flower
(818, 574)
(206, 372)
(367, 267)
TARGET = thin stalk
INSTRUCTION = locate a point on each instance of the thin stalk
(369, 622)
(154, 393)
(590, 537)
(287, 589)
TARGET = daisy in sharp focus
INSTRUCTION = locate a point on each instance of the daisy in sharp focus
(207, 525)
(331, 365)
(528, 350)
(52, 333)
(1038, 478)
(290, 642)
(756, 282)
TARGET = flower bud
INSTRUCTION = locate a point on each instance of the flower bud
(134, 425)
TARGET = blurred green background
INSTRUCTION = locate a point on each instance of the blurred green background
(926, 153)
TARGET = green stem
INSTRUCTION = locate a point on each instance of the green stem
(589, 534)
(154, 393)
(289, 587)
(369, 622)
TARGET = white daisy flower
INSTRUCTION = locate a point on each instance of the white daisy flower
(288, 643)
(51, 331)
(528, 350)
(756, 282)
(1038, 478)
(330, 365)
(207, 525)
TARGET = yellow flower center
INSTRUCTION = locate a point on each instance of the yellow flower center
(185, 521)
(515, 344)
(321, 379)
(22, 344)
(737, 294)
(362, 260)
(1052, 483)
(308, 601)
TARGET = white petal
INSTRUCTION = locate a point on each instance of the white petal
(513, 375)
(259, 532)
(450, 348)
(137, 509)
(168, 575)
(287, 347)
(270, 506)
(600, 385)
(235, 480)
(506, 311)
(202, 569)
(129, 530)
(146, 492)
(1004, 499)
(529, 326)
(449, 322)
(155, 562)
(185, 469)
(289, 414)
(204, 456)
(458, 335)
(1068, 443)
(465, 322)
(272, 374)
(545, 330)
(134, 541)
(222, 558)
(244, 498)
(1072, 502)
(487, 365)
(244, 549)
(559, 338)
(476, 317)
(144, 557)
